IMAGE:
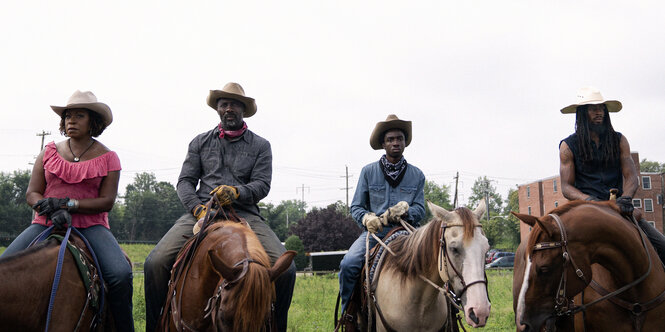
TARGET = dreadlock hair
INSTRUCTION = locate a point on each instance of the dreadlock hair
(609, 141)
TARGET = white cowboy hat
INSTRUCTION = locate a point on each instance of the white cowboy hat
(589, 96)
(392, 122)
(233, 91)
(87, 100)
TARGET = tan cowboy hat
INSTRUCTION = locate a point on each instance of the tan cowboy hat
(589, 96)
(87, 100)
(392, 122)
(233, 91)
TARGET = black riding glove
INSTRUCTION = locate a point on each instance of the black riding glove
(61, 219)
(46, 206)
(625, 204)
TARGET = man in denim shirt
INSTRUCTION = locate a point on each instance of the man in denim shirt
(387, 190)
(235, 164)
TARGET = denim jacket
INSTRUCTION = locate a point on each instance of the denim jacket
(374, 194)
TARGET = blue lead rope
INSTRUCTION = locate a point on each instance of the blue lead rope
(56, 278)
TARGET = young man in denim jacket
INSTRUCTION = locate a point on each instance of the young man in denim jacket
(388, 189)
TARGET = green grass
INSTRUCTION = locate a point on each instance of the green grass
(314, 298)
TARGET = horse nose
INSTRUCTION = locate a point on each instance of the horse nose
(476, 317)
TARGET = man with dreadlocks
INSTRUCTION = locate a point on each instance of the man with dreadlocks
(596, 159)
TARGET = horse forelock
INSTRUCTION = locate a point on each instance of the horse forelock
(254, 293)
(468, 221)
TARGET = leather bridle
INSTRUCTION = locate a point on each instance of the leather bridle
(444, 260)
(563, 305)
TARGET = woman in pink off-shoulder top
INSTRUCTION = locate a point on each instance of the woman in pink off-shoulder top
(75, 182)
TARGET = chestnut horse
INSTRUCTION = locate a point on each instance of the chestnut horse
(449, 250)
(27, 278)
(588, 248)
(227, 285)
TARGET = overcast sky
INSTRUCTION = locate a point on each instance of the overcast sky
(482, 81)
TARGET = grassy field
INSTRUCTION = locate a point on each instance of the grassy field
(314, 297)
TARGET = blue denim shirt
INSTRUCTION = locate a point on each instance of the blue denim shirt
(374, 194)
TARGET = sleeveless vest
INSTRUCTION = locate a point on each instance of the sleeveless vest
(595, 177)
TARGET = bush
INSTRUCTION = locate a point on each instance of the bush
(294, 243)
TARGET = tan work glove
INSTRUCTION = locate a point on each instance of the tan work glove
(200, 211)
(225, 194)
(372, 222)
(394, 213)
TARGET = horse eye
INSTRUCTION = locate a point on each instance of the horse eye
(455, 251)
(543, 270)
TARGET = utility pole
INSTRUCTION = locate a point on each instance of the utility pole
(347, 187)
(43, 134)
(302, 189)
(456, 182)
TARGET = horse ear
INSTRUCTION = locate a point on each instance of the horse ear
(525, 218)
(438, 211)
(282, 263)
(480, 209)
(226, 271)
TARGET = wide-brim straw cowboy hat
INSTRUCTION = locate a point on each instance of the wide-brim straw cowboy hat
(87, 100)
(592, 96)
(233, 91)
(392, 122)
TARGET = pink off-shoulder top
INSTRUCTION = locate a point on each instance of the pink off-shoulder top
(77, 180)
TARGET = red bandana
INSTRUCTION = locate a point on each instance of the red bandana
(231, 133)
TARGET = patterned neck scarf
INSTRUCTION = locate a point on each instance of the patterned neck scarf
(231, 133)
(393, 172)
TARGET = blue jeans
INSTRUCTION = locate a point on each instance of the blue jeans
(352, 264)
(116, 271)
(158, 265)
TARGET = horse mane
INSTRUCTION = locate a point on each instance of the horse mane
(415, 253)
(561, 210)
(248, 314)
(28, 251)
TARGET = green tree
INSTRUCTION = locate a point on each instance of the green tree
(651, 166)
(280, 217)
(439, 195)
(15, 213)
(294, 243)
(483, 187)
(151, 208)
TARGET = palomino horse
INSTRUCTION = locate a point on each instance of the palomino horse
(227, 285)
(449, 250)
(26, 280)
(589, 248)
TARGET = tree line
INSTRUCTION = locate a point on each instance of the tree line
(150, 207)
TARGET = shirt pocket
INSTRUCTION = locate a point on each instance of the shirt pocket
(377, 195)
(243, 165)
(407, 193)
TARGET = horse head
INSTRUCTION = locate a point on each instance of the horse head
(245, 291)
(551, 275)
(462, 250)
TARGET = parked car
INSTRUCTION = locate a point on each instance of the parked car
(505, 261)
(490, 253)
(501, 254)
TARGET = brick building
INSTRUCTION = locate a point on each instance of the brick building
(539, 197)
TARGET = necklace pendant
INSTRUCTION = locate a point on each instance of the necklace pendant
(76, 159)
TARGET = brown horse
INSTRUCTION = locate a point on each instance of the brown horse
(588, 249)
(228, 284)
(449, 251)
(27, 277)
